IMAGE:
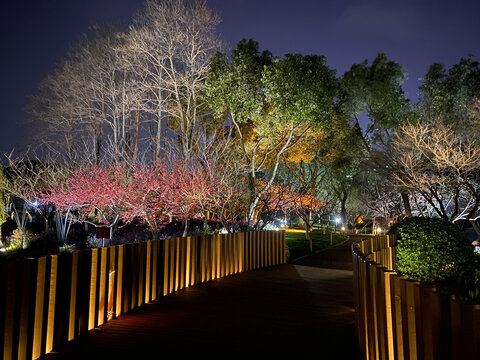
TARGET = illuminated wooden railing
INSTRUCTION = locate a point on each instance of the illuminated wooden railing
(397, 318)
(48, 301)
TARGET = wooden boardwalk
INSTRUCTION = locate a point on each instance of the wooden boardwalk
(296, 309)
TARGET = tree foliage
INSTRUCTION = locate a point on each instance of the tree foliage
(272, 103)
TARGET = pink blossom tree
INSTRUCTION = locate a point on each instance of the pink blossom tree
(89, 195)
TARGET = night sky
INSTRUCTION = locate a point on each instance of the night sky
(35, 35)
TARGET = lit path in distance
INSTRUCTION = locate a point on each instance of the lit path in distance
(300, 309)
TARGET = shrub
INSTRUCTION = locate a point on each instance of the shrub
(16, 239)
(432, 250)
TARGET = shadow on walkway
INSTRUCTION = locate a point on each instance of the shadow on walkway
(288, 310)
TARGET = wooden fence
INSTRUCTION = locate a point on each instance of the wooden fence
(397, 318)
(48, 301)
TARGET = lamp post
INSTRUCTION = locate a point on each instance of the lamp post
(337, 221)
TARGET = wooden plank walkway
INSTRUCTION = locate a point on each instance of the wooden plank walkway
(291, 309)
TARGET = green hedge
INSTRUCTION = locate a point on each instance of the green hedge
(433, 250)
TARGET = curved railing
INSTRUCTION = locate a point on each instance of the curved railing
(397, 318)
(48, 301)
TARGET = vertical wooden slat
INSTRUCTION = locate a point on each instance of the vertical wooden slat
(374, 310)
(172, 258)
(188, 263)
(102, 286)
(382, 301)
(208, 257)
(10, 301)
(141, 273)
(231, 253)
(93, 289)
(398, 328)
(369, 312)
(171, 265)
(183, 265)
(356, 293)
(275, 248)
(119, 279)
(260, 249)
(27, 308)
(414, 325)
(389, 313)
(456, 328)
(148, 270)
(218, 241)
(39, 305)
(127, 277)
(177, 263)
(166, 266)
(194, 241)
(249, 250)
(222, 255)
(270, 247)
(241, 252)
(155, 271)
(476, 330)
(112, 282)
(160, 267)
(213, 240)
(254, 250)
(235, 253)
(3, 301)
(79, 285)
(51, 303)
(134, 257)
(362, 310)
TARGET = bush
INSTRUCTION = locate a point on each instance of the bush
(16, 239)
(433, 250)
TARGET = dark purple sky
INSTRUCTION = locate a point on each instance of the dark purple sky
(36, 34)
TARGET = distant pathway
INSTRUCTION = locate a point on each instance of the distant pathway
(296, 310)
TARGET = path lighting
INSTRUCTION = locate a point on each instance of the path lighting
(337, 220)
(343, 228)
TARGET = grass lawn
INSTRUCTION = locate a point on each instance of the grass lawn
(299, 246)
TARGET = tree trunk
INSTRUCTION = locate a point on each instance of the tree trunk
(185, 229)
(476, 228)
(343, 209)
(308, 237)
(406, 204)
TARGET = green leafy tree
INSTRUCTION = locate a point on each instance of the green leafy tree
(271, 103)
(375, 91)
(311, 195)
(453, 96)
(342, 153)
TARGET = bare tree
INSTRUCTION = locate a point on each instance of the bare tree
(442, 168)
(172, 41)
(25, 177)
(311, 193)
